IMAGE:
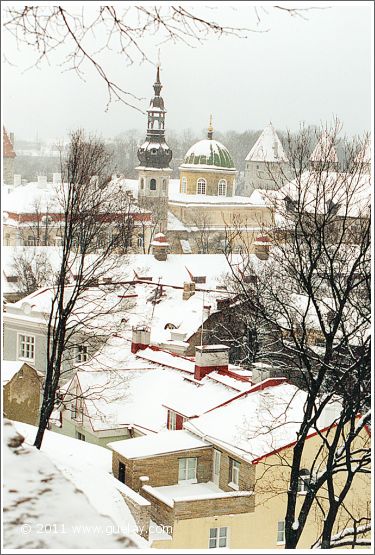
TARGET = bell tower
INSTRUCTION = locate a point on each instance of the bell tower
(154, 156)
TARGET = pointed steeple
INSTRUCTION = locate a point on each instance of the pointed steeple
(210, 129)
(157, 85)
(268, 147)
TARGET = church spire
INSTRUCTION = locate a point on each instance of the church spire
(210, 129)
(154, 152)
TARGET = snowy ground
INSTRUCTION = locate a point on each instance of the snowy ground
(63, 496)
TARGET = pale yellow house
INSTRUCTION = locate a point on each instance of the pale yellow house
(204, 200)
(222, 481)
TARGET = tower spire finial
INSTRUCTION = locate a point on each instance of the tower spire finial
(210, 128)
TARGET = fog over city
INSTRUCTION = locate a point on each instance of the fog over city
(290, 69)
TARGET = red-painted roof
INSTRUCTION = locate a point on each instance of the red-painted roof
(8, 151)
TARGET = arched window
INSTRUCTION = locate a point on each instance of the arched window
(152, 184)
(222, 188)
(201, 186)
(142, 183)
(183, 184)
(164, 185)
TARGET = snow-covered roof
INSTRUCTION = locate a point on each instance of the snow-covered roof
(316, 191)
(324, 150)
(268, 147)
(36, 491)
(9, 369)
(258, 423)
(122, 390)
(157, 444)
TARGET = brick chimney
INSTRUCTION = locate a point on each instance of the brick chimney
(140, 338)
(262, 246)
(210, 358)
(189, 290)
(160, 246)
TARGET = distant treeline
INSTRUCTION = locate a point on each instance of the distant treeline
(124, 148)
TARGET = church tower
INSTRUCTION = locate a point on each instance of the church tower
(154, 156)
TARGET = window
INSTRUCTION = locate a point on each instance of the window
(281, 532)
(187, 469)
(30, 241)
(183, 185)
(171, 420)
(121, 472)
(164, 185)
(58, 241)
(222, 188)
(73, 410)
(81, 353)
(218, 537)
(152, 184)
(142, 183)
(201, 186)
(26, 347)
(80, 436)
(234, 473)
(140, 240)
(303, 481)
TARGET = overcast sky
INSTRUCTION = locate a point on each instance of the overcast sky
(299, 70)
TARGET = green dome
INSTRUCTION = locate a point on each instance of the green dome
(209, 152)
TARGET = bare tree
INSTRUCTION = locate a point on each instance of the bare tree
(46, 29)
(33, 270)
(80, 301)
(314, 290)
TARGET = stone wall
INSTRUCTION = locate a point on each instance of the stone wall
(201, 508)
(141, 514)
(160, 512)
(162, 470)
(246, 476)
(21, 396)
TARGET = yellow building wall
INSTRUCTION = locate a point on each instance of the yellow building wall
(258, 530)
(212, 180)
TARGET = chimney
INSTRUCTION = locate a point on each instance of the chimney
(160, 246)
(17, 180)
(210, 358)
(42, 181)
(140, 338)
(262, 246)
(189, 290)
(260, 371)
(56, 177)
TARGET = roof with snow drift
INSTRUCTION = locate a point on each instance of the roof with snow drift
(268, 147)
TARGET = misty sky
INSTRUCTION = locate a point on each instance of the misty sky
(299, 70)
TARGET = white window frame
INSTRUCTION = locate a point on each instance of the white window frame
(82, 354)
(221, 532)
(216, 466)
(303, 482)
(234, 474)
(30, 343)
(183, 185)
(201, 186)
(222, 188)
(30, 241)
(280, 532)
(185, 479)
(171, 420)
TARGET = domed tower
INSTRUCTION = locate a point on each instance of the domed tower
(154, 156)
(208, 169)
